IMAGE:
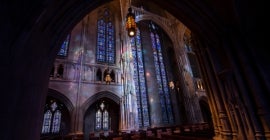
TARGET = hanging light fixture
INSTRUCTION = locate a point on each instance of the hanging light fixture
(130, 23)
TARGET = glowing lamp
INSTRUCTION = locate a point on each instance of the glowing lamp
(130, 23)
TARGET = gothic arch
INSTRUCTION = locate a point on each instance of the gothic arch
(157, 21)
(205, 108)
(98, 96)
(61, 97)
(66, 110)
(203, 98)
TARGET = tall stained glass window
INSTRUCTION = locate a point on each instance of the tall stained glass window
(139, 79)
(64, 47)
(105, 52)
(102, 117)
(163, 90)
(51, 119)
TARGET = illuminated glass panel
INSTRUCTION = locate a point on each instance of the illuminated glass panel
(101, 49)
(98, 120)
(102, 117)
(46, 122)
(110, 44)
(167, 116)
(52, 119)
(64, 47)
(105, 39)
(56, 122)
(105, 120)
(139, 79)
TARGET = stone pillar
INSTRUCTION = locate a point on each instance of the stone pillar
(252, 97)
(94, 77)
(211, 62)
(128, 109)
(24, 87)
(190, 99)
(102, 76)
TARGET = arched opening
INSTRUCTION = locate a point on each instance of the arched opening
(106, 75)
(102, 117)
(60, 71)
(36, 41)
(206, 113)
(98, 75)
(56, 119)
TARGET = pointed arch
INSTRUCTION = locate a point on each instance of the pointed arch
(100, 117)
(62, 98)
(161, 24)
(57, 112)
(100, 95)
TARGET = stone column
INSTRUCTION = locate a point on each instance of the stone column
(211, 62)
(129, 107)
(252, 92)
(94, 78)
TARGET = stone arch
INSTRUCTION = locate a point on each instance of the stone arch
(66, 110)
(203, 98)
(159, 22)
(205, 108)
(89, 112)
(97, 96)
(61, 97)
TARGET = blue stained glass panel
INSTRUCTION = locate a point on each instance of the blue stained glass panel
(47, 122)
(105, 40)
(98, 120)
(52, 119)
(139, 79)
(101, 41)
(105, 120)
(56, 122)
(161, 76)
(64, 47)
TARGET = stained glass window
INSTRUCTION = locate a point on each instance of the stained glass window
(167, 116)
(102, 117)
(139, 79)
(47, 122)
(98, 119)
(56, 122)
(51, 119)
(105, 39)
(64, 47)
(105, 120)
